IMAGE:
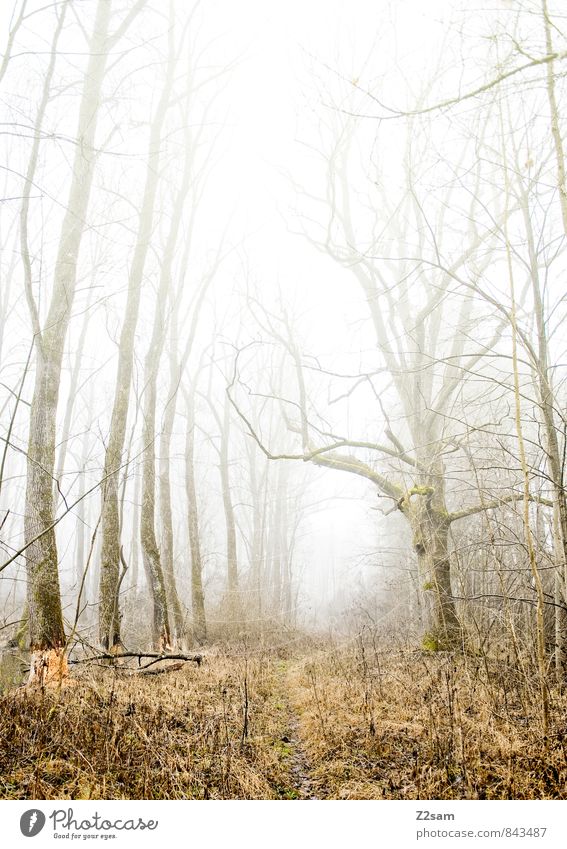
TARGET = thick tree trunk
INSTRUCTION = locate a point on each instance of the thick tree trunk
(48, 666)
(430, 528)
(47, 637)
(44, 600)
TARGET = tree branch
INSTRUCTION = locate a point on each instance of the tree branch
(196, 658)
(492, 505)
(452, 101)
(321, 456)
(125, 25)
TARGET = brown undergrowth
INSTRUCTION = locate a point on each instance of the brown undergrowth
(329, 723)
(411, 725)
(198, 733)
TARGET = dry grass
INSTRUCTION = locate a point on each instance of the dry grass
(408, 725)
(174, 736)
(355, 723)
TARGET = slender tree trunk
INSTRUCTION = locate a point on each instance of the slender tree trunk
(554, 460)
(166, 514)
(560, 598)
(286, 531)
(554, 457)
(134, 544)
(197, 595)
(554, 116)
(276, 551)
(151, 556)
(150, 549)
(80, 549)
(109, 616)
(176, 370)
(234, 608)
(536, 575)
(258, 522)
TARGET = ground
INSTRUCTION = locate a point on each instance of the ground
(318, 722)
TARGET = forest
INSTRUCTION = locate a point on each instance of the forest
(283, 400)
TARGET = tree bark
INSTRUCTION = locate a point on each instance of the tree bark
(166, 515)
(47, 636)
(197, 595)
(429, 522)
(233, 594)
(109, 615)
(162, 587)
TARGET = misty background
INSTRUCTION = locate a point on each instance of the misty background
(286, 121)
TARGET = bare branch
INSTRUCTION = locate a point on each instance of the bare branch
(493, 505)
(460, 98)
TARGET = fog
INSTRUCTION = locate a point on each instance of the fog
(340, 244)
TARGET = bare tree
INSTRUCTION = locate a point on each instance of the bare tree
(197, 595)
(47, 636)
(109, 631)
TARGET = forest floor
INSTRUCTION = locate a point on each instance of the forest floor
(319, 722)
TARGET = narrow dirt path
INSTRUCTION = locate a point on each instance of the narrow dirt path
(300, 768)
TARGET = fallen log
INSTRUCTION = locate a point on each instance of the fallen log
(155, 657)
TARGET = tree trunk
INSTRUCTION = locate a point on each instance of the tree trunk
(560, 598)
(554, 118)
(80, 549)
(234, 608)
(152, 563)
(258, 522)
(150, 550)
(134, 544)
(109, 615)
(166, 516)
(197, 596)
(554, 460)
(274, 556)
(47, 637)
(430, 528)
(71, 398)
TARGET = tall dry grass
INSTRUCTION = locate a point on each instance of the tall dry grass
(401, 724)
(106, 734)
(298, 720)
